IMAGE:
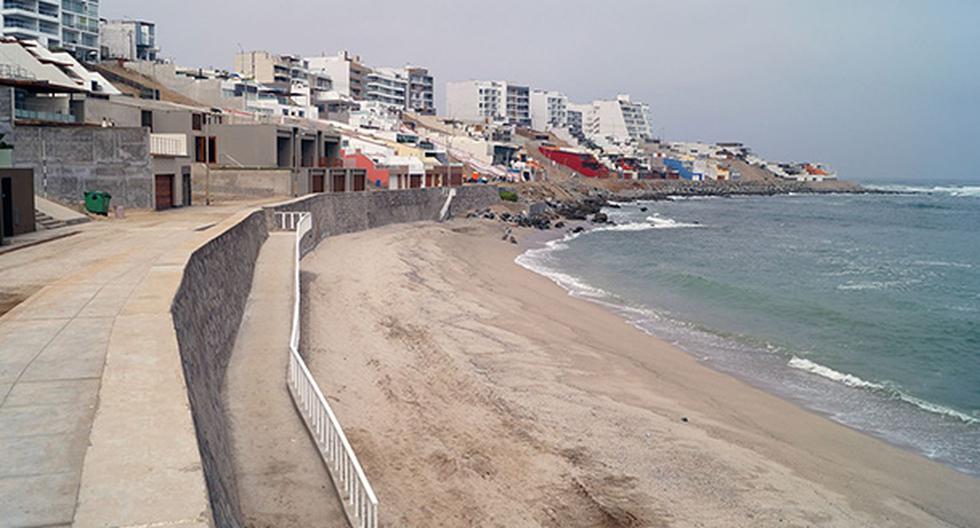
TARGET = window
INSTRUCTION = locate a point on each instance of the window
(197, 121)
(210, 144)
(146, 119)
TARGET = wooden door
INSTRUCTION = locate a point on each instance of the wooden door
(339, 182)
(164, 191)
(317, 184)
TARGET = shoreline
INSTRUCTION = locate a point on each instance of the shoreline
(478, 392)
(578, 289)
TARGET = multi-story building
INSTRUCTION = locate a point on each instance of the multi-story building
(346, 72)
(387, 86)
(618, 121)
(549, 110)
(289, 77)
(72, 25)
(576, 117)
(130, 40)
(489, 101)
(421, 94)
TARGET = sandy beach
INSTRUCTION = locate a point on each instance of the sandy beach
(477, 393)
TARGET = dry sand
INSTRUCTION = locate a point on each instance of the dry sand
(477, 393)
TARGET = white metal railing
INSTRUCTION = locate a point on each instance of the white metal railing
(168, 145)
(348, 477)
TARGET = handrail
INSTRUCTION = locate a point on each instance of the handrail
(361, 505)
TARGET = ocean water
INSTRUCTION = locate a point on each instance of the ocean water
(865, 308)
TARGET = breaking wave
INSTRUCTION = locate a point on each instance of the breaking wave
(970, 191)
(853, 381)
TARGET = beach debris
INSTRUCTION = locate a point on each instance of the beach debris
(559, 224)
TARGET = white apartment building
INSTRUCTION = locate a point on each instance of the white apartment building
(488, 101)
(129, 40)
(346, 72)
(388, 86)
(617, 121)
(71, 25)
(549, 110)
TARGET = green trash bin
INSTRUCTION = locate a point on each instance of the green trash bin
(97, 202)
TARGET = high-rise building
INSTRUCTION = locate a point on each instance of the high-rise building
(618, 120)
(421, 94)
(131, 40)
(72, 25)
(494, 101)
(388, 86)
(346, 72)
(549, 110)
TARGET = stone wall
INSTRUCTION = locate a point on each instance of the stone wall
(339, 213)
(239, 184)
(68, 161)
(207, 312)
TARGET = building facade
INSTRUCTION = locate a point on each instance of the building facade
(346, 72)
(420, 97)
(489, 101)
(131, 40)
(387, 86)
(72, 25)
(549, 110)
(619, 120)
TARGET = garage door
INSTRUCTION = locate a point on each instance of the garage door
(165, 191)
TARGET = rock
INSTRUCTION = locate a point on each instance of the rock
(513, 240)
(643, 209)
(578, 229)
(600, 218)
(559, 225)
(684, 419)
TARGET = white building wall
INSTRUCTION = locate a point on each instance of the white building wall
(549, 110)
(335, 67)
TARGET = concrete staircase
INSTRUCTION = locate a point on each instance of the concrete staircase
(45, 221)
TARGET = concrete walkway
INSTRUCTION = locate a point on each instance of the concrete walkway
(53, 350)
(281, 479)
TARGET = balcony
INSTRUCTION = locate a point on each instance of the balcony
(48, 117)
(168, 145)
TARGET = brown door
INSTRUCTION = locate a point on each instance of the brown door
(317, 184)
(359, 182)
(415, 181)
(164, 191)
(339, 182)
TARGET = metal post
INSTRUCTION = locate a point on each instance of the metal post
(207, 160)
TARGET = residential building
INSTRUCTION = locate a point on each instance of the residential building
(476, 101)
(518, 105)
(576, 115)
(346, 72)
(387, 86)
(71, 25)
(288, 78)
(618, 121)
(549, 110)
(489, 101)
(131, 40)
(420, 97)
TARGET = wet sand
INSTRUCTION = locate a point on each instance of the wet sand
(477, 393)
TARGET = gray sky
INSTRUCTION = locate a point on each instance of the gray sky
(881, 90)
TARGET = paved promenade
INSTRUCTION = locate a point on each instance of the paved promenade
(53, 349)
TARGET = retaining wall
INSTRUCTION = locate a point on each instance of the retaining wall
(207, 311)
(208, 307)
(339, 213)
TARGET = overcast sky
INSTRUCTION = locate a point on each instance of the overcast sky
(885, 90)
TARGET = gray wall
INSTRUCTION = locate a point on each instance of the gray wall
(68, 161)
(245, 145)
(208, 307)
(207, 312)
(339, 213)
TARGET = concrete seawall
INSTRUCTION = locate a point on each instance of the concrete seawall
(335, 214)
(208, 307)
(207, 312)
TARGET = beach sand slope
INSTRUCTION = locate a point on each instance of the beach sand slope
(477, 393)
